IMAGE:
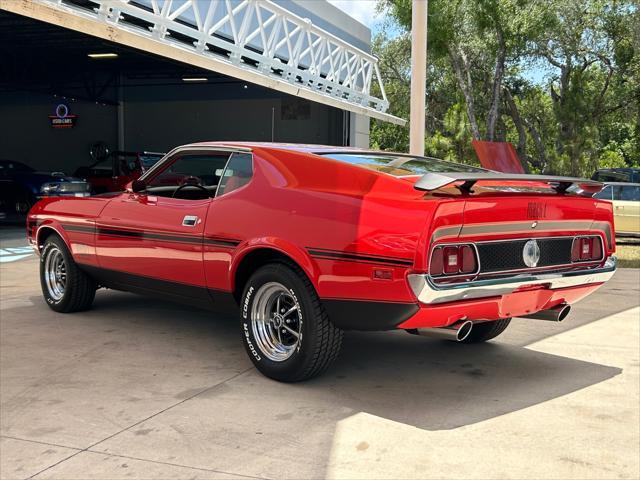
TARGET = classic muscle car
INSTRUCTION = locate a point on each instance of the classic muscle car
(626, 207)
(306, 241)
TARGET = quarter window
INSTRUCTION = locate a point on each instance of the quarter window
(237, 174)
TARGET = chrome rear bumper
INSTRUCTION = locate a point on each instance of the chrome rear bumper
(430, 293)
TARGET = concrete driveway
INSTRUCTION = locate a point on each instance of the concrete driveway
(137, 388)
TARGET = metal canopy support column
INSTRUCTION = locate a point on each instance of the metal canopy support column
(418, 76)
(256, 41)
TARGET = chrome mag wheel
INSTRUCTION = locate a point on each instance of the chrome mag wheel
(55, 273)
(276, 321)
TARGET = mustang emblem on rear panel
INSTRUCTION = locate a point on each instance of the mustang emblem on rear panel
(536, 210)
(531, 253)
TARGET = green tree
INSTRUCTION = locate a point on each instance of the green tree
(589, 46)
(479, 38)
(584, 112)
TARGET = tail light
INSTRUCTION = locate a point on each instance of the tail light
(586, 249)
(453, 260)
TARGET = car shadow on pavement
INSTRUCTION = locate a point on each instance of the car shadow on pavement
(438, 385)
(430, 384)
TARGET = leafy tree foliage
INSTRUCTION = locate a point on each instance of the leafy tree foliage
(582, 111)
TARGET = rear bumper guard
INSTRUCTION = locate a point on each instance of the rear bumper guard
(428, 292)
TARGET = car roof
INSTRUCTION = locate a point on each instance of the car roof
(619, 169)
(297, 147)
(632, 184)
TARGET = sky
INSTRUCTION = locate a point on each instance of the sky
(365, 12)
(362, 10)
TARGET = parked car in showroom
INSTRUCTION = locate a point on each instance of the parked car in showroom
(112, 173)
(305, 242)
(626, 206)
(22, 186)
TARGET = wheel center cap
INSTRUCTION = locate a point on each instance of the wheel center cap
(278, 320)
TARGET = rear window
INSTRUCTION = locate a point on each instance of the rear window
(401, 165)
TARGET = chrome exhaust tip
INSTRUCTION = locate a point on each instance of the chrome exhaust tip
(457, 331)
(555, 314)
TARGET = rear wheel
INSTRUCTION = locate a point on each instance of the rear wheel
(286, 332)
(65, 287)
(482, 332)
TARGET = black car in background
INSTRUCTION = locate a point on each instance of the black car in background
(21, 186)
(628, 175)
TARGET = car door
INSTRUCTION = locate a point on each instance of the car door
(154, 238)
(626, 203)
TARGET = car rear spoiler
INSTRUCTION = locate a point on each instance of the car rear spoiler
(434, 181)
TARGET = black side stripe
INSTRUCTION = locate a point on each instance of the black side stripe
(78, 228)
(146, 235)
(221, 242)
(357, 257)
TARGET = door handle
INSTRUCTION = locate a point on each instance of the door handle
(190, 221)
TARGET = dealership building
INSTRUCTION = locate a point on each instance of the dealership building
(148, 75)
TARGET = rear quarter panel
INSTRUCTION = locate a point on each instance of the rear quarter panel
(339, 222)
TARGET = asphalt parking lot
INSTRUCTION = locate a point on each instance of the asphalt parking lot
(138, 388)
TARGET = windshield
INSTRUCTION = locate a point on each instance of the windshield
(400, 165)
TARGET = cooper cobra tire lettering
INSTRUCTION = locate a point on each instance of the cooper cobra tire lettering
(248, 339)
(245, 305)
(317, 339)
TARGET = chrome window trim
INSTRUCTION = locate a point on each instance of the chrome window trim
(226, 165)
(192, 148)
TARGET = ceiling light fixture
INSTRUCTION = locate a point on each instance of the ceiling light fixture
(102, 55)
(194, 79)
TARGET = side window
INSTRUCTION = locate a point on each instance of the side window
(190, 176)
(630, 193)
(237, 174)
(604, 194)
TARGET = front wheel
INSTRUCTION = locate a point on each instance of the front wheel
(286, 331)
(65, 287)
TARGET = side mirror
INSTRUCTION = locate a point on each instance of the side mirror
(136, 186)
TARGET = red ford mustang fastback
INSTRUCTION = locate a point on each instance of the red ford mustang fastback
(308, 241)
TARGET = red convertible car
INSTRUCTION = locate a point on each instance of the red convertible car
(306, 241)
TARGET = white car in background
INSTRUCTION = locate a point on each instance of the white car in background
(626, 206)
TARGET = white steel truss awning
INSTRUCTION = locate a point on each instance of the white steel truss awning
(257, 41)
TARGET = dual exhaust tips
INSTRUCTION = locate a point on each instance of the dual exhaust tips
(461, 330)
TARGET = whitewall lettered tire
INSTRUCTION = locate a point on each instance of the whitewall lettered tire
(285, 329)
